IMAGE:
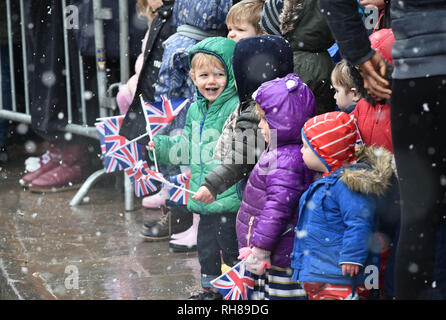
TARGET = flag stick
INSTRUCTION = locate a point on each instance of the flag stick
(149, 130)
(187, 190)
(126, 144)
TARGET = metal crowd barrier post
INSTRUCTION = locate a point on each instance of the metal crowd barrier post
(83, 129)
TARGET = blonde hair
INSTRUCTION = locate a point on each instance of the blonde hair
(341, 76)
(200, 59)
(258, 111)
(145, 10)
(246, 10)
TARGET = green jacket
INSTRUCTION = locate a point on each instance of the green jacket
(203, 127)
(304, 26)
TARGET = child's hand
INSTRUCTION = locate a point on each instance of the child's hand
(351, 269)
(151, 145)
(204, 195)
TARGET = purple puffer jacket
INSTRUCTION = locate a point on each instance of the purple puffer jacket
(269, 209)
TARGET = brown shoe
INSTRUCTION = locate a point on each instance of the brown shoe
(172, 221)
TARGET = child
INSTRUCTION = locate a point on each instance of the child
(346, 96)
(216, 99)
(268, 212)
(243, 20)
(336, 213)
(194, 20)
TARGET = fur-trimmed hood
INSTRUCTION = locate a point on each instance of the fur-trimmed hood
(372, 173)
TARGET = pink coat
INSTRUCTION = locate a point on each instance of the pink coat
(127, 91)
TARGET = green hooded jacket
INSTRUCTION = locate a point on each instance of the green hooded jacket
(203, 127)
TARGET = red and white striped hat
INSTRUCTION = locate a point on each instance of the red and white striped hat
(332, 136)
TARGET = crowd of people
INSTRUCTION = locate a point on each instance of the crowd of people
(316, 167)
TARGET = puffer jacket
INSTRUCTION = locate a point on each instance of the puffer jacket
(203, 127)
(269, 209)
(373, 117)
(336, 220)
(304, 26)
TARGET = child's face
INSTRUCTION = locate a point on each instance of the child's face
(241, 30)
(154, 4)
(210, 81)
(345, 98)
(311, 159)
(264, 127)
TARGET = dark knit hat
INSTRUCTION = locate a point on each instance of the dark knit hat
(270, 18)
(259, 59)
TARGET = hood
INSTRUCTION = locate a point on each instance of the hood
(205, 15)
(259, 59)
(288, 103)
(382, 42)
(303, 24)
(222, 48)
(372, 174)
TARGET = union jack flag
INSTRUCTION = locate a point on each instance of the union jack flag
(161, 113)
(111, 164)
(235, 284)
(177, 194)
(141, 176)
(137, 175)
(110, 140)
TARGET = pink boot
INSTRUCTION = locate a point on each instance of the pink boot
(158, 199)
(186, 241)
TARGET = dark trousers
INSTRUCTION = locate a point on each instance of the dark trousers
(216, 232)
(418, 115)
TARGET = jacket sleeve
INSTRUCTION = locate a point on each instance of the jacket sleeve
(241, 159)
(174, 150)
(348, 29)
(358, 215)
(283, 192)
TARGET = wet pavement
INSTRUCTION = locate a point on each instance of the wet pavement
(49, 250)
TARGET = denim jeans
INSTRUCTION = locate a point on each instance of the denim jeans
(216, 233)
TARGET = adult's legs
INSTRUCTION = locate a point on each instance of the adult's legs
(418, 112)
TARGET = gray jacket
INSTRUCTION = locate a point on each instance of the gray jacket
(420, 38)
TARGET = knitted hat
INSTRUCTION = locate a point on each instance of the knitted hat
(270, 18)
(259, 59)
(332, 136)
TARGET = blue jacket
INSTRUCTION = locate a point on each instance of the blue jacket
(337, 224)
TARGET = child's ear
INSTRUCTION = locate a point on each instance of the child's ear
(356, 95)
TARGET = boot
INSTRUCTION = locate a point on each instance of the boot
(48, 161)
(73, 170)
(173, 220)
(158, 199)
(186, 241)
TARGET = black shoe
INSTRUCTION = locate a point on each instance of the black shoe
(171, 221)
(205, 294)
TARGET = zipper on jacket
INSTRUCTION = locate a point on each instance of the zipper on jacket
(251, 221)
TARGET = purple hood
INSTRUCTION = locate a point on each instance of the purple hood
(288, 103)
(269, 209)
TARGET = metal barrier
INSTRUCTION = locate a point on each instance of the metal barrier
(106, 103)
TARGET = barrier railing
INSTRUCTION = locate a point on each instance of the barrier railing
(106, 103)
